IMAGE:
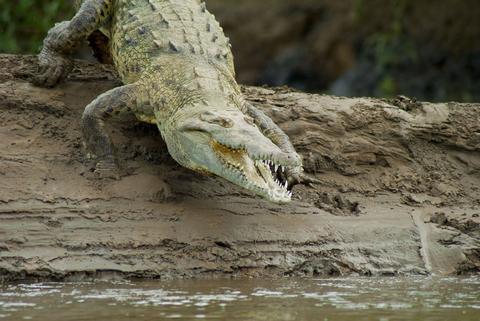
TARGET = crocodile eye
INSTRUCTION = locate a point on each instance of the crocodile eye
(217, 120)
(222, 121)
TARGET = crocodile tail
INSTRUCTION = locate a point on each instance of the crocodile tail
(100, 46)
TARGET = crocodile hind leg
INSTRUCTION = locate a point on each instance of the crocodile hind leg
(54, 58)
(98, 142)
(294, 175)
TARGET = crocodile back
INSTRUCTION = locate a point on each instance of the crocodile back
(142, 30)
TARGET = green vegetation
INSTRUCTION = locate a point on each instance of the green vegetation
(24, 23)
(389, 46)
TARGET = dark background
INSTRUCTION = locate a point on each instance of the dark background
(428, 49)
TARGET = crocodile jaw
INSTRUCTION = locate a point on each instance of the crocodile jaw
(257, 173)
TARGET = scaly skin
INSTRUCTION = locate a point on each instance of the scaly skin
(177, 67)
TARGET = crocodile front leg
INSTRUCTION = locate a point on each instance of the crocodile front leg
(54, 59)
(294, 175)
(98, 142)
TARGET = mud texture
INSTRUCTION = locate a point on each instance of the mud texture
(401, 191)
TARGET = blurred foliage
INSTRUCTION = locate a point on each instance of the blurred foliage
(389, 46)
(392, 45)
(24, 23)
(416, 48)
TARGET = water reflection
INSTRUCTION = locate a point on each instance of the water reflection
(358, 299)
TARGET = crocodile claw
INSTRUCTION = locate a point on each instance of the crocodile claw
(107, 169)
(297, 176)
(53, 69)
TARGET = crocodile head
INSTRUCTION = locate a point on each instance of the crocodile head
(228, 144)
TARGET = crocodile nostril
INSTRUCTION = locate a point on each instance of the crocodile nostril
(294, 157)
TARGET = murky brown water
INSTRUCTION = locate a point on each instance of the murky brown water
(357, 299)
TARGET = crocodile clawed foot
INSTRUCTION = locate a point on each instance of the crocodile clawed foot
(107, 169)
(297, 176)
(53, 69)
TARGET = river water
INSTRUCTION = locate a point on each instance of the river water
(320, 299)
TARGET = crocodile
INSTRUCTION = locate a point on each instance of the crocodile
(177, 70)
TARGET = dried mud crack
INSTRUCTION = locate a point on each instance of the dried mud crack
(381, 165)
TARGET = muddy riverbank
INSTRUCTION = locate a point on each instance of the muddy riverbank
(401, 191)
